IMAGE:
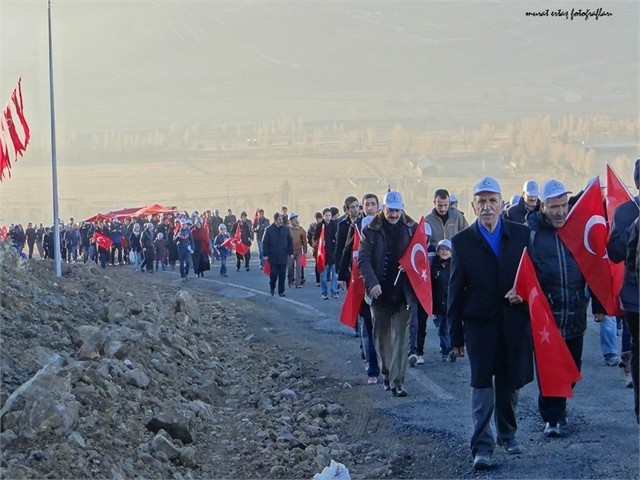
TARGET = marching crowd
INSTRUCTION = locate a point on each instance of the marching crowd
(473, 266)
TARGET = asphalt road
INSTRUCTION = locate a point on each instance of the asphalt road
(434, 422)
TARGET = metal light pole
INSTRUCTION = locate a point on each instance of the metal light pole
(54, 169)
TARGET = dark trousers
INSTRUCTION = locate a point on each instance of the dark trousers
(239, 258)
(554, 409)
(632, 322)
(116, 252)
(278, 273)
(373, 368)
(422, 330)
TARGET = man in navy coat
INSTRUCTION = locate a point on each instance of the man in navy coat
(487, 319)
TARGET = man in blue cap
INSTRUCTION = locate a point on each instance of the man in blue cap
(486, 317)
(388, 291)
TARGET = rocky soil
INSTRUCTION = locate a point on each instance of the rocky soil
(109, 375)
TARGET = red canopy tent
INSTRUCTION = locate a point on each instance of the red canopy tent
(96, 217)
(155, 208)
(123, 212)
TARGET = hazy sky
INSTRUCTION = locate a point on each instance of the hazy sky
(129, 65)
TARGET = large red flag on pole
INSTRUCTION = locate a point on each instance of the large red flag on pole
(415, 263)
(557, 370)
(235, 242)
(355, 292)
(16, 98)
(321, 257)
(585, 234)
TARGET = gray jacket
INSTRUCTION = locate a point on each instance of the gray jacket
(440, 231)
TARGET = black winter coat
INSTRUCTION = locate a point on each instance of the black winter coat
(330, 231)
(372, 255)
(559, 276)
(623, 219)
(277, 244)
(478, 314)
(440, 274)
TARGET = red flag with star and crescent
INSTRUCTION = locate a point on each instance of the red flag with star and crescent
(102, 240)
(617, 194)
(557, 370)
(321, 258)
(235, 242)
(355, 292)
(415, 263)
(585, 234)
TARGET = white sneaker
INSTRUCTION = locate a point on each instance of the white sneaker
(413, 359)
(420, 360)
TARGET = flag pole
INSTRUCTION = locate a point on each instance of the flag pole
(54, 169)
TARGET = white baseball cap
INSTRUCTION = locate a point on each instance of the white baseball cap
(531, 189)
(393, 200)
(445, 243)
(552, 189)
(487, 184)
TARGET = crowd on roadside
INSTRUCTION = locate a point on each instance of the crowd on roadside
(472, 269)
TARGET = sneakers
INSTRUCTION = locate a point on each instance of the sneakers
(372, 380)
(334, 295)
(552, 431)
(282, 294)
(420, 360)
(511, 447)
(452, 357)
(482, 462)
(385, 384)
(612, 360)
(325, 296)
(399, 391)
(413, 359)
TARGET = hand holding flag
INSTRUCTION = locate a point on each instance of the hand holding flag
(321, 258)
(102, 240)
(235, 243)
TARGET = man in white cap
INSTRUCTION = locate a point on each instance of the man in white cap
(388, 291)
(563, 284)
(486, 317)
(528, 202)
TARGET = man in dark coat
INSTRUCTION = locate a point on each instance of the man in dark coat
(487, 317)
(277, 247)
(529, 201)
(563, 284)
(617, 248)
(388, 291)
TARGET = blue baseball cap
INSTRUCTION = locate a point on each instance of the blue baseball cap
(393, 200)
(552, 189)
(487, 184)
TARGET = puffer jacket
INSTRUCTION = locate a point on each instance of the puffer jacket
(559, 275)
(373, 258)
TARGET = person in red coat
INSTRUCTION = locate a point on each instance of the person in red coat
(202, 247)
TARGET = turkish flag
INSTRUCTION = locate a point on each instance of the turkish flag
(585, 234)
(4, 232)
(267, 268)
(557, 370)
(255, 218)
(235, 242)
(617, 194)
(303, 259)
(16, 98)
(5, 161)
(18, 147)
(355, 292)
(321, 258)
(415, 263)
(102, 240)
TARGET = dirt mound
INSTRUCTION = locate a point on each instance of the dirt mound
(109, 375)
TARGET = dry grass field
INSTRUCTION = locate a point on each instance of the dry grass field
(233, 67)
